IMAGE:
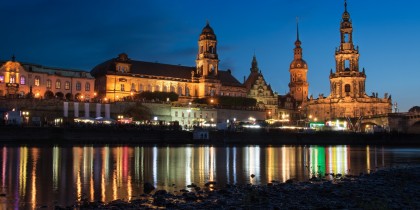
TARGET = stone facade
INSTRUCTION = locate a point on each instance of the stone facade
(17, 80)
(347, 97)
(122, 77)
(260, 90)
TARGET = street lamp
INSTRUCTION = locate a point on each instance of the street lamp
(26, 117)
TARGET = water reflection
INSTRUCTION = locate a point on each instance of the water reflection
(33, 177)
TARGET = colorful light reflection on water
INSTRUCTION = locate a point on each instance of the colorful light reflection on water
(47, 176)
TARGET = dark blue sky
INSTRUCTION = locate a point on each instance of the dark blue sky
(80, 34)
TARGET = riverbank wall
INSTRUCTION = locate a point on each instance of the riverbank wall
(118, 135)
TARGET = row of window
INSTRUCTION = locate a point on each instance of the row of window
(37, 83)
(195, 114)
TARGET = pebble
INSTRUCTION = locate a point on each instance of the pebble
(395, 188)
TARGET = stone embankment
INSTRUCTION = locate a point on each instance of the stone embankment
(156, 135)
(394, 188)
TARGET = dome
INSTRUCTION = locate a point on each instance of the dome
(300, 63)
(207, 33)
(346, 15)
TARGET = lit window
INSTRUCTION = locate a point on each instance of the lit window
(49, 83)
(122, 87)
(87, 86)
(187, 91)
(12, 79)
(57, 84)
(78, 86)
(133, 87)
(180, 91)
(157, 88)
(67, 85)
(141, 88)
(37, 81)
(22, 80)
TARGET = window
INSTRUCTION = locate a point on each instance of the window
(180, 91)
(1, 78)
(347, 65)
(22, 80)
(165, 89)
(133, 87)
(176, 113)
(78, 86)
(187, 91)
(12, 79)
(172, 89)
(87, 86)
(346, 38)
(49, 84)
(37, 81)
(157, 88)
(149, 88)
(347, 89)
(212, 92)
(122, 87)
(67, 85)
(140, 88)
(57, 84)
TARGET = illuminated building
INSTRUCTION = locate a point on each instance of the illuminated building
(348, 97)
(19, 79)
(261, 91)
(121, 77)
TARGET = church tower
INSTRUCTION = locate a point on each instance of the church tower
(207, 59)
(298, 70)
(347, 81)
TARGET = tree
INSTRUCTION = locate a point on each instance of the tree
(48, 94)
(160, 96)
(138, 112)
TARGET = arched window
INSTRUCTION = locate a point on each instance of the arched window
(133, 87)
(180, 91)
(58, 84)
(347, 89)
(165, 88)
(49, 84)
(87, 86)
(187, 91)
(149, 88)
(78, 86)
(37, 81)
(172, 89)
(22, 80)
(67, 85)
(346, 38)
(157, 88)
(347, 65)
(12, 79)
(141, 88)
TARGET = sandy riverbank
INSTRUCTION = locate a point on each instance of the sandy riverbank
(392, 188)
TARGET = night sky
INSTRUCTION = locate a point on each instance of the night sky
(80, 34)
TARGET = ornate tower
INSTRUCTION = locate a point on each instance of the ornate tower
(347, 81)
(298, 69)
(207, 59)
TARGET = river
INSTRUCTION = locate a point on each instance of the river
(33, 177)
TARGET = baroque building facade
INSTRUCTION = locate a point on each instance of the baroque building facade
(261, 91)
(347, 84)
(122, 77)
(17, 80)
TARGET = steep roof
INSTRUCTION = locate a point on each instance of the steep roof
(159, 70)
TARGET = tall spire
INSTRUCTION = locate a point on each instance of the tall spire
(297, 28)
(254, 64)
(345, 5)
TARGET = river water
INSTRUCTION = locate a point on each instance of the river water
(33, 177)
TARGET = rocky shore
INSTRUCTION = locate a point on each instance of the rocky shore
(392, 188)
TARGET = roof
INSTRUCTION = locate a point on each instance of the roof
(30, 67)
(160, 70)
(253, 76)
